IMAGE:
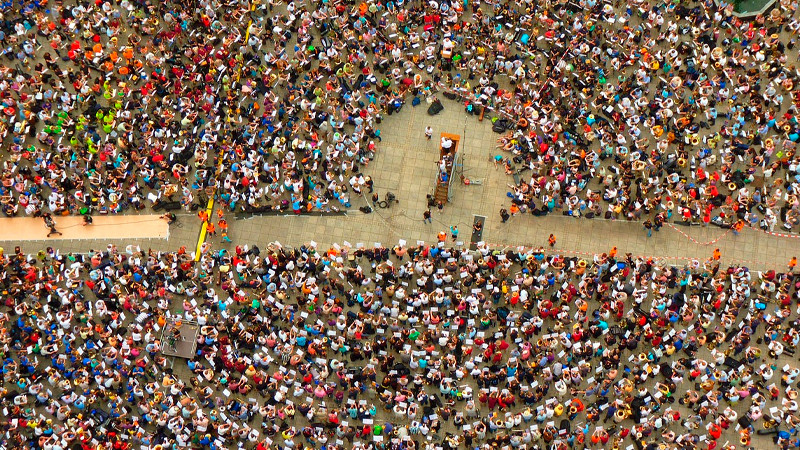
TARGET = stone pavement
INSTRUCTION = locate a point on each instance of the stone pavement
(405, 164)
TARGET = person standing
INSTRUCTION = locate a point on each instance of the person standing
(649, 227)
(552, 240)
(427, 216)
(223, 229)
(454, 232)
(446, 144)
(428, 132)
(50, 224)
(504, 215)
(477, 228)
(658, 221)
(737, 227)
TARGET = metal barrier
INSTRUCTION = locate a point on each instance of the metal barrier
(452, 177)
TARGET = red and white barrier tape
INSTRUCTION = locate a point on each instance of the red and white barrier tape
(772, 233)
(713, 241)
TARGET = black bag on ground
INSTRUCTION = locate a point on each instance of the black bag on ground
(450, 95)
(166, 205)
(732, 363)
(435, 108)
(744, 421)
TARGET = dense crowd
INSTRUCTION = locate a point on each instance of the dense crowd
(628, 111)
(641, 111)
(402, 348)
(674, 111)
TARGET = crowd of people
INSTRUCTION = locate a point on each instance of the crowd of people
(645, 110)
(624, 111)
(394, 348)
(677, 110)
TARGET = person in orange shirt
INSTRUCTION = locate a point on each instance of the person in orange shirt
(203, 215)
(792, 264)
(737, 227)
(442, 237)
(716, 255)
(552, 240)
(613, 252)
(211, 229)
(223, 229)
